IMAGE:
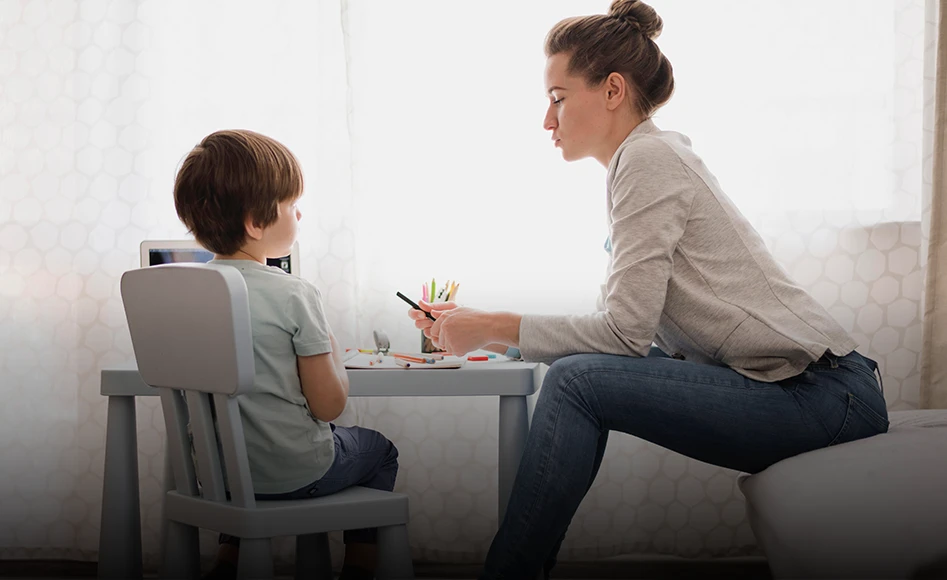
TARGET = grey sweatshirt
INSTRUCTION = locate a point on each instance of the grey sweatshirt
(688, 273)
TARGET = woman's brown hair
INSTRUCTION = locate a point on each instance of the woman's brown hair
(229, 177)
(621, 41)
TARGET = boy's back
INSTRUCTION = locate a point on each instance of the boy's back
(287, 446)
(237, 193)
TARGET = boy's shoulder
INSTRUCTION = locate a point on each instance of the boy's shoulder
(271, 278)
(271, 281)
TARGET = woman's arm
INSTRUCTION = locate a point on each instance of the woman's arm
(650, 195)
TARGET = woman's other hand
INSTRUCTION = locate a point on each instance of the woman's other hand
(460, 330)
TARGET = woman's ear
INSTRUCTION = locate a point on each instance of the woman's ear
(617, 91)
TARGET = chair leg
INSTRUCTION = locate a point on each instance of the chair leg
(256, 559)
(394, 553)
(181, 557)
(313, 559)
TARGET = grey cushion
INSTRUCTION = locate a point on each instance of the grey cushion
(874, 508)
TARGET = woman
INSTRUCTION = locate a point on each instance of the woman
(748, 370)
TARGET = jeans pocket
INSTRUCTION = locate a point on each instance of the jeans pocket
(861, 421)
(876, 420)
(843, 430)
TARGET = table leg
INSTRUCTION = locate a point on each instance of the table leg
(514, 427)
(120, 531)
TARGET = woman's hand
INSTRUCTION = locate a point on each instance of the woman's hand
(461, 330)
(422, 321)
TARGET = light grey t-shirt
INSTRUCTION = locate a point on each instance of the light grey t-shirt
(689, 273)
(287, 446)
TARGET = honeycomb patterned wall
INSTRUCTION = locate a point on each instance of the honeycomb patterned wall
(79, 191)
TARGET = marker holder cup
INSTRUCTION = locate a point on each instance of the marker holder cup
(427, 345)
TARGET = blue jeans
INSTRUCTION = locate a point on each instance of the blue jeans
(709, 413)
(362, 457)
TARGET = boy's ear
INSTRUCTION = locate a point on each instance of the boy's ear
(254, 232)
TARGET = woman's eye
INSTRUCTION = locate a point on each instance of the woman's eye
(557, 101)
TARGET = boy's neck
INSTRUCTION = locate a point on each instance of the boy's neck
(243, 254)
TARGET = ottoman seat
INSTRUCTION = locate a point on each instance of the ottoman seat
(873, 508)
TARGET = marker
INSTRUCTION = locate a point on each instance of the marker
(366, 351)
(425, 355)
(349, 355)
(402, 363)
(416, 359)
(478, 358)
(415, 306)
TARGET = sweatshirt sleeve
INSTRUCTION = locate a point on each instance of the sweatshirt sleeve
(651, 194)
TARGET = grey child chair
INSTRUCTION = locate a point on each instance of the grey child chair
(190, 329)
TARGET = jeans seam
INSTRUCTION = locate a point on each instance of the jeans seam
(845, 423)
(804, 406)
(872, 415)
(692, 380)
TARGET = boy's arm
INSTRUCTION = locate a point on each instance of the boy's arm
(324, 382)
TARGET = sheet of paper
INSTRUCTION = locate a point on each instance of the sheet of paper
(373, 361)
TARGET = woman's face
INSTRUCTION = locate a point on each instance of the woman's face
(577, 115)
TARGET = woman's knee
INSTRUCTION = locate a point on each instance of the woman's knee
(573, 377)
(566, 369)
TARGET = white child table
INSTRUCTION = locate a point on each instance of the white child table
(120, 533)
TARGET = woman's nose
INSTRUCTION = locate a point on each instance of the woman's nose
(549, 122)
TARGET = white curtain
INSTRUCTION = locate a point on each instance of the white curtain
(418, 124)
(934, 222)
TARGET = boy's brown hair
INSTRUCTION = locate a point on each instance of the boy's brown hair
(229, 177)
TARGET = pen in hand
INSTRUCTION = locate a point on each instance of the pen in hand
(415, 306)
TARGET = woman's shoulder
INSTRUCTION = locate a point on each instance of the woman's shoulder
(647, 140)
(661, 152)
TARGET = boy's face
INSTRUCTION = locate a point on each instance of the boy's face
(279, 237)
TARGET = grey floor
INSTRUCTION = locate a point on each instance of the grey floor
(736, 569)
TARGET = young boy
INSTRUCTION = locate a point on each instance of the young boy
(236, 192)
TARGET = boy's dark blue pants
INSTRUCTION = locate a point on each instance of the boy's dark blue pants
(362, 457)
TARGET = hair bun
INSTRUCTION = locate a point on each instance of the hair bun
(638, 15)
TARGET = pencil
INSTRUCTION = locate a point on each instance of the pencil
(415, 306)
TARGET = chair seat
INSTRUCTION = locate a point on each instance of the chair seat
(349, 509)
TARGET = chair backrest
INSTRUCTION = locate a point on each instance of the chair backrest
(190, 327)
(190, 330)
